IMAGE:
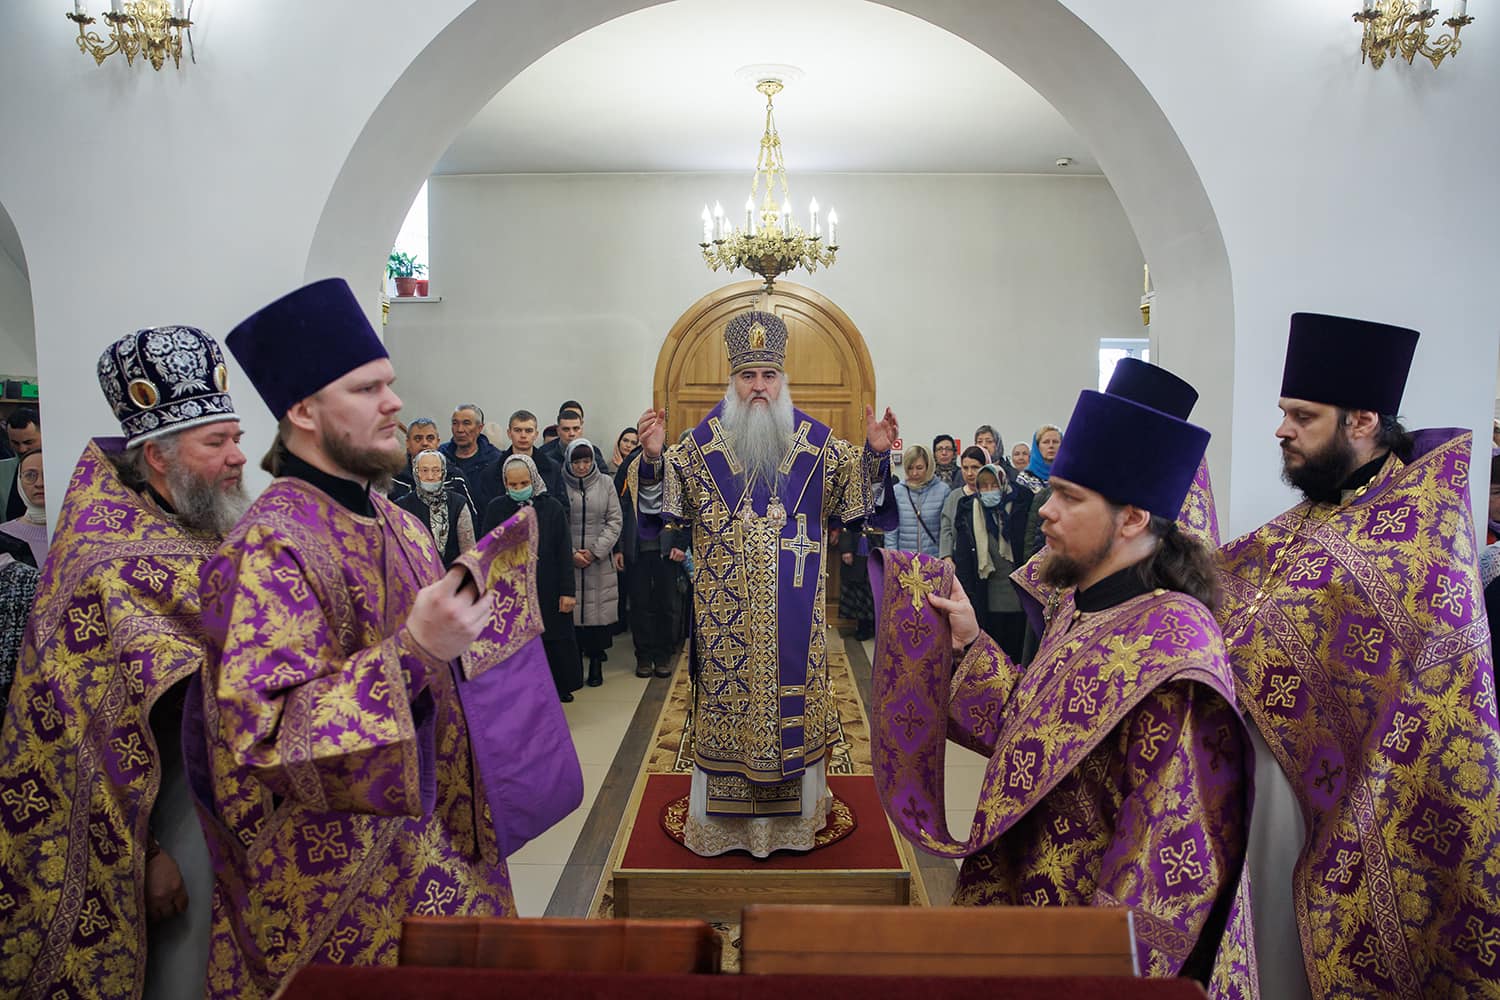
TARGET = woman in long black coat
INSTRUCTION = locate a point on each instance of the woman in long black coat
(524, 487)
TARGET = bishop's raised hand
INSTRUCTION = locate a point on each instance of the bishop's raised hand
(652, 431)
(881, 435)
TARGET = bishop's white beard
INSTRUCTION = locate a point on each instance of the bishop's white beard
(759, 435)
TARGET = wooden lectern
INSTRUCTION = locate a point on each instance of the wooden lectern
(546, 944)
(942, 941)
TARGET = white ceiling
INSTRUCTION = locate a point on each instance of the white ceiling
(657, 90)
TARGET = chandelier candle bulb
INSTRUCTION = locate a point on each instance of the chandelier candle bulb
(812, 213)
(708, 227)
(1461, 8)
(833, 227)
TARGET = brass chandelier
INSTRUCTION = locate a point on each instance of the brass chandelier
(149, 28)
(770, 243)
(1399, 28)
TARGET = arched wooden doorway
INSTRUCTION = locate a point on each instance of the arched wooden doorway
(828, 365)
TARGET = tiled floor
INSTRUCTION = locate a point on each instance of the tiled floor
(598, 718)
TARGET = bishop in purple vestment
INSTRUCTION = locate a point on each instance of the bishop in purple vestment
(104, 878)
(1119, 770)
(756, 482)
(1357, 632)
(340, 786)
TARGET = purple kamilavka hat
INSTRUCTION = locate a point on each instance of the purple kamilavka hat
(303, 341)
(1350, 363)
(1153, 386)
(1130, 453)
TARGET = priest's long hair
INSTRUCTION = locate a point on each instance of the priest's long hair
(1182, 563)
(760, 437)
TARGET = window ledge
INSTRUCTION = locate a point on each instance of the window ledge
(414, 298)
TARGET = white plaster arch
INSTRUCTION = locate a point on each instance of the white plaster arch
(1043, 42)
(17, 323)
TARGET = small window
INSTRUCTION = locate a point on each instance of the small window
(1112, 349)
(413, 237)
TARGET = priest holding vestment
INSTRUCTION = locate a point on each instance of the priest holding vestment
(756, 482)
(338, 787)
(1119, 770)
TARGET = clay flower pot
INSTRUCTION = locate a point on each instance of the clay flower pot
(422, 287)
(406, 287)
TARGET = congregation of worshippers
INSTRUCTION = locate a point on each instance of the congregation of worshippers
(245, 734)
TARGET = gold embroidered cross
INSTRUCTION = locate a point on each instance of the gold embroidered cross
(916, 630)
(1369, 954)
(1451, 595)
(1461, 474)
(1344, 863)
(1124, 658)
(325, 842)
(1308, 569)
(341, 940)
(109, 517)
(132, 754)
(91, 920)
(1362, 643)
(909, 720)
(1083, 695)
(916, 583)
(1153, 735)
(46, 708)
(911, 812)
(438, 898)
(1181, 862)
(296, 585)
(1284, 690)
(1179, 632)
(151, 576)
(800, 445)
(25, 801)
(1435, 831)
(801, 546)
(1405, 725)
(87, 622)
(719, 442)
(1389, 522)
(1484, 940)
(1020, 770)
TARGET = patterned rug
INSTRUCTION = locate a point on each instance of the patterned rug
(671, 753)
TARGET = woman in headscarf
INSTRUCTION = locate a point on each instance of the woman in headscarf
(973, 459)
(919, 501)
(984, 545)
(1032, 490)
(595, 521)
(445, 511)
(525, 487)
(31, 527)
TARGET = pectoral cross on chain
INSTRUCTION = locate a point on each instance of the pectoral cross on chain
(719, 442)
(799, 445)
(802, 547)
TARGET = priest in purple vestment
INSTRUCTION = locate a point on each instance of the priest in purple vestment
(1357, 632)
(756, 482)
(340, 786)
(1119, 771)
(105, 882)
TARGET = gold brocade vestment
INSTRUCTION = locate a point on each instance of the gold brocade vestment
(1360, 649)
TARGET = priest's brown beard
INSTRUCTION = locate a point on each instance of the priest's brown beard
(370, 464)
(1322, 472)
(1063, 571)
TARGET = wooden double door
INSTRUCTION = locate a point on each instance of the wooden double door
(828, 366)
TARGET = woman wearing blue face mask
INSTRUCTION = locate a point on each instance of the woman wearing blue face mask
(984, 557)
(524, 487)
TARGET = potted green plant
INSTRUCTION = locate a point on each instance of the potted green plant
(405, 268)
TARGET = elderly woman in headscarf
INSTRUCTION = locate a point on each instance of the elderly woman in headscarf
(595, 521)
(984, 554)
(444, 510)
(1032, 490)
(524, 487)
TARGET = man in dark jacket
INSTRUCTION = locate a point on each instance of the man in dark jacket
(651, 571)
(469, 451)
(522, 431)
(569, 429)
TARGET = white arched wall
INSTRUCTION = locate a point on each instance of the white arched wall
(17, 330)
(1049, 47)
(198, 195)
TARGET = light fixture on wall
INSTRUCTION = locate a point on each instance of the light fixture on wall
(149, 28)
(1148, 298)
(1399, 28)
(770, 243)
